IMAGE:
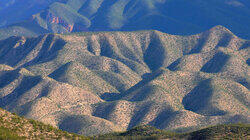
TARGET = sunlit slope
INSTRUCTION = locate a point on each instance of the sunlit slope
(122, 79)
(18, 128)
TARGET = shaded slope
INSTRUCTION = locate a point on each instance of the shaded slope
(87, 125)
(123, 79)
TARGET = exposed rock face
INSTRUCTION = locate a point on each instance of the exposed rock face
(112, 81)
(15, 11)
(57, 20)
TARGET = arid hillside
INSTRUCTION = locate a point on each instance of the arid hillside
(95, 83)
(13, 127)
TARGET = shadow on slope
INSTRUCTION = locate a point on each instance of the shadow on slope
(225, 40)
(199, 100)
(139, 115)
(26, 84)
(8, 77)
(163, 118)
(51, 47)
(146, 78)
(248, 61)
(155, 54)
(245, 45)
(15, 49)
(216, 64)
(201, 43)
(87, 125)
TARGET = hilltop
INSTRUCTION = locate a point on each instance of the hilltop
(179, 17)
(96, 83)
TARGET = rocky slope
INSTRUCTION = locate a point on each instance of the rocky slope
(17, 128)
(171, 16)
(94, 83)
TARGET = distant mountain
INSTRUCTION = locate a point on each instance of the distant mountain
(95, 83)
(13, 127)
(180, 17)
(13, 11)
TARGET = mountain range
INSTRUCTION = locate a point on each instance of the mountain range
(179, 17)
(114, 68)
(99, 82)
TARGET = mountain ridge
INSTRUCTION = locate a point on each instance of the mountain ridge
(123, 79)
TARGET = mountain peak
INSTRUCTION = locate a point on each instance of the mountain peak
(220, 28)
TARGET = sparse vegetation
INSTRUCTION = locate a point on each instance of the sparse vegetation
(13, 127)
(107, 78)
(6, 134)
(232, 131)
